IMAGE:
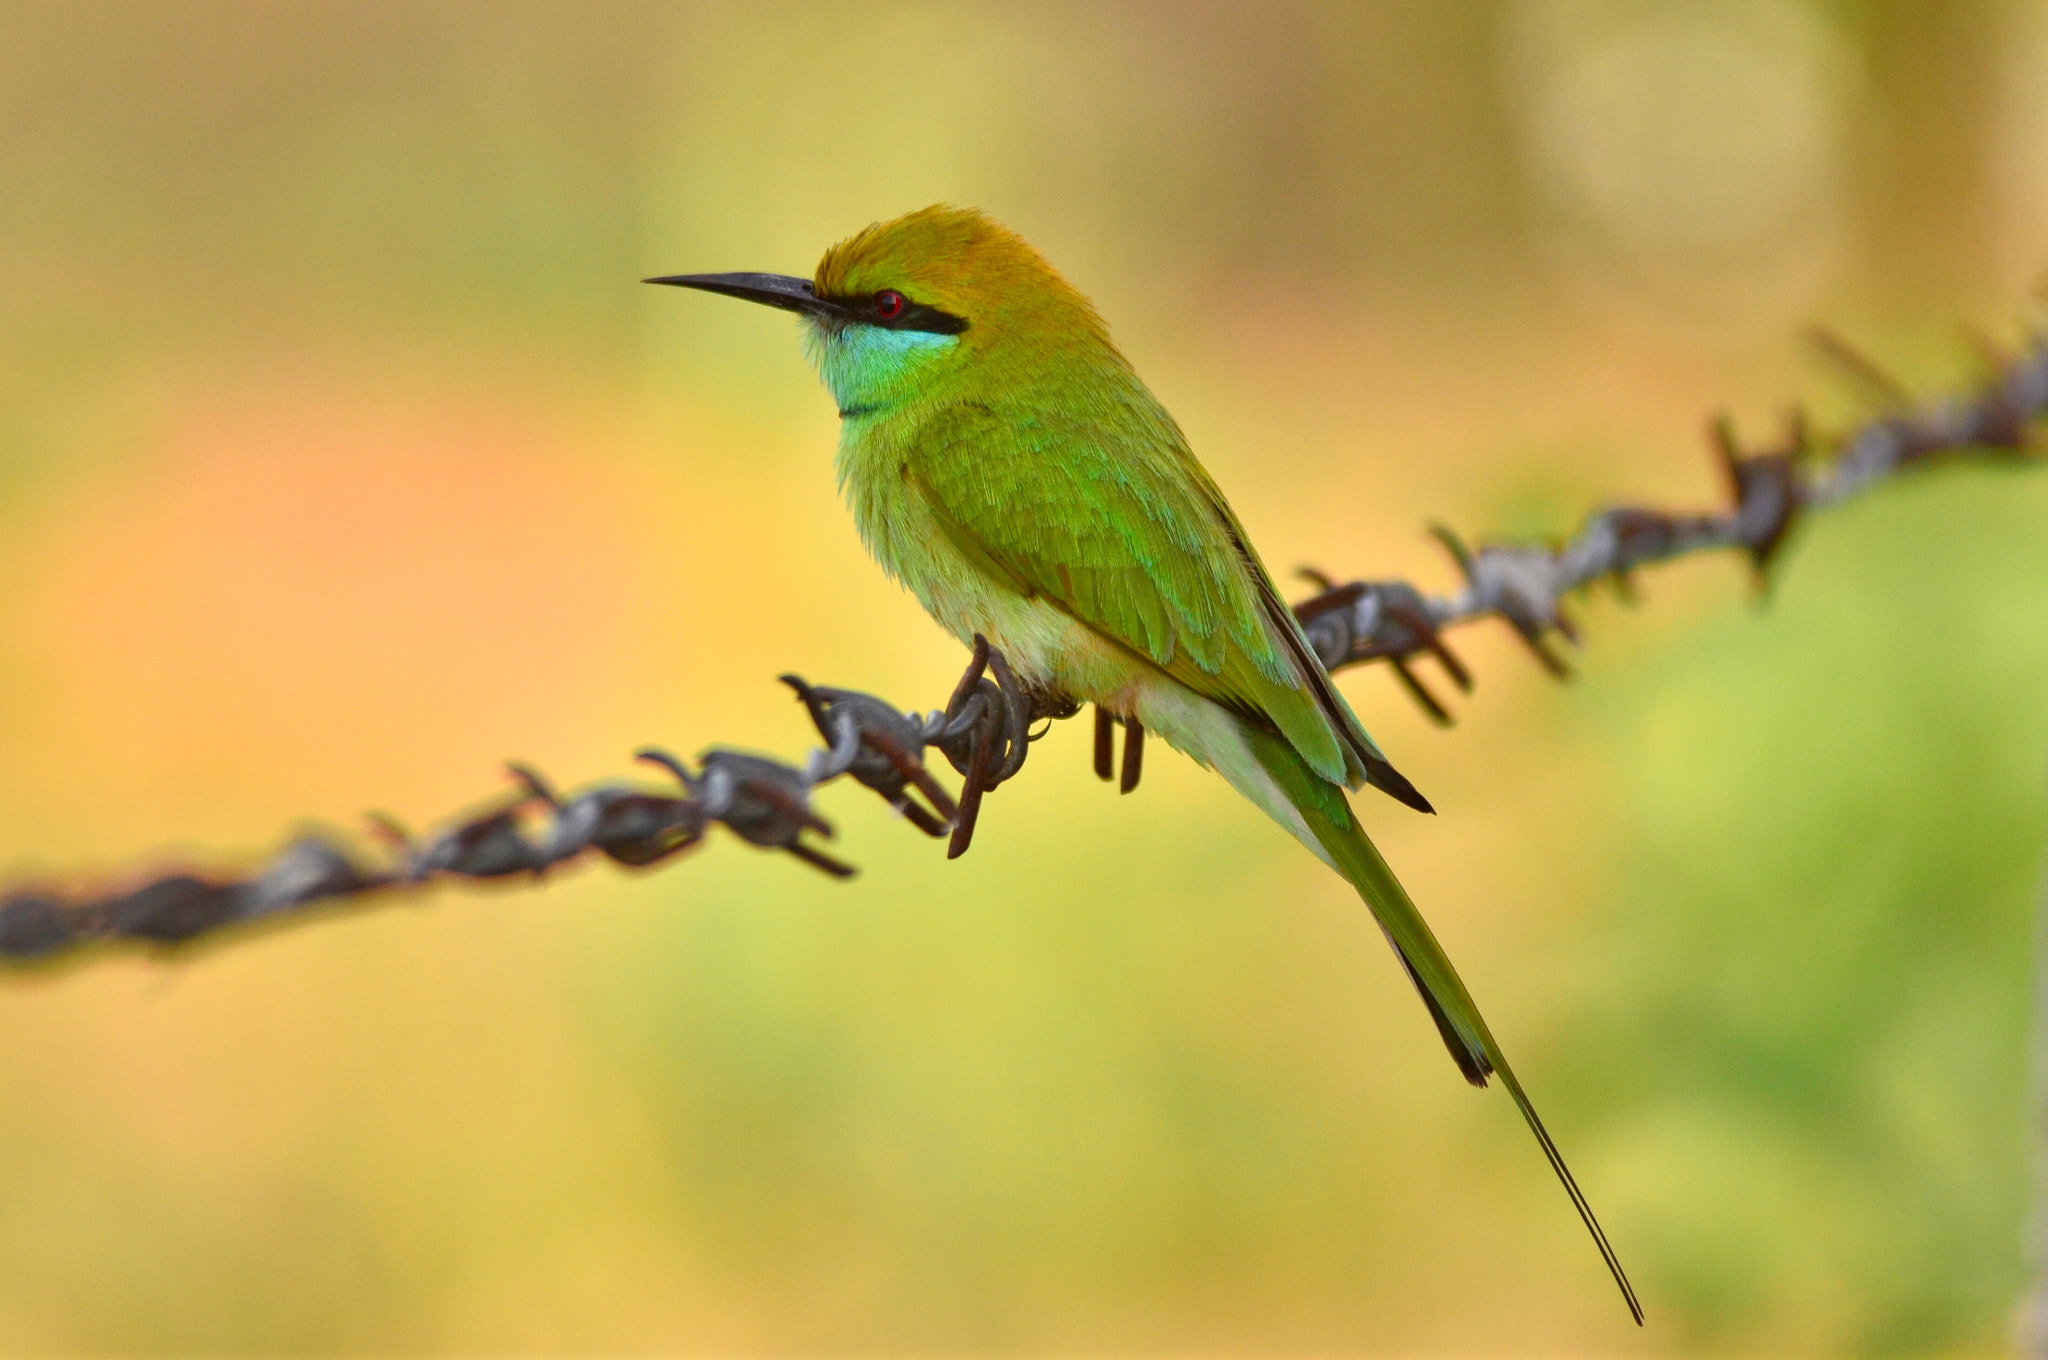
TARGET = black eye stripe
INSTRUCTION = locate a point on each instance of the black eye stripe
(918, 317)
(915, 316)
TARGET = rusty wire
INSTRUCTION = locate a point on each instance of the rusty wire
(1769, 490)
(984, 729)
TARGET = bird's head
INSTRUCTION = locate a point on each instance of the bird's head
(931, 303)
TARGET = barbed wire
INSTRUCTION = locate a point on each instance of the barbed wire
(1770, 490)
(984, 730)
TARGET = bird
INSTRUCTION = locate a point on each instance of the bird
(1005, 463)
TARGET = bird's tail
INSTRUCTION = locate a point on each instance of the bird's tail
(1329, 820)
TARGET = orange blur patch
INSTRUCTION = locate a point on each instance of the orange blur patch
(338, 602)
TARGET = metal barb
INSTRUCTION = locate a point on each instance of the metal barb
(984, 731)
(880, 747)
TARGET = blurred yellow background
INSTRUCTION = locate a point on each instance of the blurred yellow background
(342, 457)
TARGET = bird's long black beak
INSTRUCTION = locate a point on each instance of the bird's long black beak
(770, 290)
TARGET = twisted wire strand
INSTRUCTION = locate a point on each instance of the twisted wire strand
(1770, 491)
(984, 729)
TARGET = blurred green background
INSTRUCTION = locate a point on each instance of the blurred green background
(341, 457)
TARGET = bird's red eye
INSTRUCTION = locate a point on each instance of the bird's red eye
(889, 304)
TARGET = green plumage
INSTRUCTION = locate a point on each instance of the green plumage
(1005, 463)
(1112, 520)
(1456, 1015)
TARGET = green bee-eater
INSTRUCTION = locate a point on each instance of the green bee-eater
(1005, 463)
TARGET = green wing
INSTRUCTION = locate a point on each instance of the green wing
(1111, 518)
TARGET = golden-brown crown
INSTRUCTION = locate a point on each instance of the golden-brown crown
(959, 260)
